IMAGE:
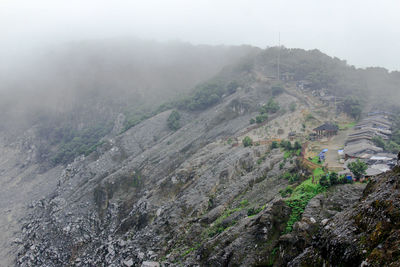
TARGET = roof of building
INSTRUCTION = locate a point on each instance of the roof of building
(375, 120)
(388, 155)
(363, 146)
(358, 138)
(377, 169)
(370, 130)
(327, 127)
(372, 172)
(380, 158)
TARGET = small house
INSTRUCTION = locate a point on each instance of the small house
(327, 129)
(292, 136)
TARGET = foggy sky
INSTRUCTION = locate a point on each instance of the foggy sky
(363, 32)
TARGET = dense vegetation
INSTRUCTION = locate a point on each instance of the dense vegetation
(72, 143)
(206, 95)
(299, 199)
(303, 193)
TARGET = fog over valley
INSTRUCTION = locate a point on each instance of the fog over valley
(199, 133)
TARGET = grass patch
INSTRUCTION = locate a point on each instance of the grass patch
(254, 211)
(318, 172)
(217, 226)
(291, 153)
(299, 199)
(291, 177)
(316, 160)
(286, 192)
(190, 250)
(347, 125)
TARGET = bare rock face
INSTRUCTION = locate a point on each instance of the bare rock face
(152, 196)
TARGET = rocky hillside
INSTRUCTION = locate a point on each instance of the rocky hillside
(180, 188)
(364, 235)
(165, 196)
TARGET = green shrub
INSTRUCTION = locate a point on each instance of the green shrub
(286, 192)
(274, 145)
(261, 118)
(297, 145)
(323, 181)
(203, 96)
(358, 168)
(247, 141)
(291, 177)
(392, 146)
(281, 165)
(173, 120)
(270, 107)
(286, 145)
(253, 211)
(244, 203)
(333, 178)
(252, 121)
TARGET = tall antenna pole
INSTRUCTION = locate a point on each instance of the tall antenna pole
(279, 54)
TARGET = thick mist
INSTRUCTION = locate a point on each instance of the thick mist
(365, 33)
(99, 79)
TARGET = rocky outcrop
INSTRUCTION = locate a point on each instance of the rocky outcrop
(318, 212)
(167, 197)
(364, 235)
(154, 197)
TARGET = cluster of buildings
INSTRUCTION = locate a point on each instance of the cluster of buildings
(360, 145)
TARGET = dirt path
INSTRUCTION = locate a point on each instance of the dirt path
(337, 142)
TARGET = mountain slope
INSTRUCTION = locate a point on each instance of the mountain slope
(194, 194)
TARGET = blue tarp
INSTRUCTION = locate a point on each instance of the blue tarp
(324, 150)
(349, 177)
